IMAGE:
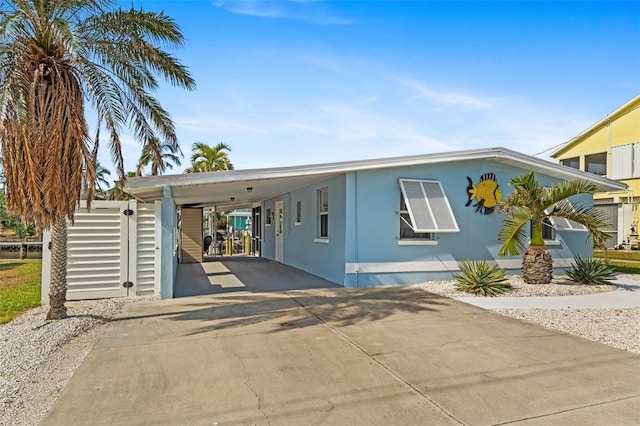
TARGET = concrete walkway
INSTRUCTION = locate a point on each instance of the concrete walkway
(336, 356)
(626, 296)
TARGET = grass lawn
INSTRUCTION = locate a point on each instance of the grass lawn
(626, 261)
(19, 287)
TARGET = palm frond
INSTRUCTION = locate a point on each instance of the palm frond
(512, 234)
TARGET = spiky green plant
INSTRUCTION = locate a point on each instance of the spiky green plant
(589, 270)
(479, 278)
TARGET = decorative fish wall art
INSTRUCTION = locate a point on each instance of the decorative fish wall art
(487, 193)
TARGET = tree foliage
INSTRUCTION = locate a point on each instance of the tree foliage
(207, 158)
(532, 203)
(54, 56)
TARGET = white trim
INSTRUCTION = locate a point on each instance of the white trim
(219, 185)
(297, 224)
(434, 266)
(321, 240)
(417, 242)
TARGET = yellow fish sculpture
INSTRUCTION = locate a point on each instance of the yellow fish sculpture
(487, 193)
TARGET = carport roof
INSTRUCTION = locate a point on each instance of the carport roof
(230, 189)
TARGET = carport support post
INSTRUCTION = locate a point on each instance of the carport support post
(168, 246)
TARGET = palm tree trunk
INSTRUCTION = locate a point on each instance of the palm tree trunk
(58, 286)
(537, 265)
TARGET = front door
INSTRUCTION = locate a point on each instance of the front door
(279, 230)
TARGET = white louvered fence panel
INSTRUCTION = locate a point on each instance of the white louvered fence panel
(97, 251)
(146, 249)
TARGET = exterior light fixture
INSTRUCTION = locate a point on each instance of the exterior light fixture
(232, 199)
(249, 189)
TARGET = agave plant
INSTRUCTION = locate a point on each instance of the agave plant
(479, 278)
(589, 270)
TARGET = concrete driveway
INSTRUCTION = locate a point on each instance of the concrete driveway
(334, 356)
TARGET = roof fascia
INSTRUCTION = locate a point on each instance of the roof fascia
(140, 185)
(627, 107)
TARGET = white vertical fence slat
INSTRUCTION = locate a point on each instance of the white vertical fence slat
(145, 261)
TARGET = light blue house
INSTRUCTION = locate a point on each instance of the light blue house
(373, 222)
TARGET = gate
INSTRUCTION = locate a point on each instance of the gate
(110, 252)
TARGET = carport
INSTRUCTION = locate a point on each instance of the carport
(236, 274)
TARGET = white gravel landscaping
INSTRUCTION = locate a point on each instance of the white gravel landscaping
(38, 357)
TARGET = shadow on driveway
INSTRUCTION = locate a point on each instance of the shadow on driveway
(234, 274)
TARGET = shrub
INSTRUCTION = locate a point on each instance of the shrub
(589, 270)
(479, 278)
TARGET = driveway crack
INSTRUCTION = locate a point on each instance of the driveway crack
(253, 391)
(380, 364)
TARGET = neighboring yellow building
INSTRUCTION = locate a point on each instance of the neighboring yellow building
(611, 148)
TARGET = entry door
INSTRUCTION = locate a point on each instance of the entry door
(279, 230)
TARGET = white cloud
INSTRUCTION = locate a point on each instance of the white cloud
(308, 128)
(213, 124)
(309, 11)
(443, 97)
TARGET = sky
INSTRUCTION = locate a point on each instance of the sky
(295, 82)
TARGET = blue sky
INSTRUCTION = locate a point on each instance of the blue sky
(301, 82)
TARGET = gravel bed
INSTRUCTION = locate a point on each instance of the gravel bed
(619, 328)
(560, 286)
(38, 357)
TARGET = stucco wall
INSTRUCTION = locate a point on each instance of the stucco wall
(363, 246)
(301, 248)
(373, 254)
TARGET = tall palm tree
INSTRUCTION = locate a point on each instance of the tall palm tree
(207, 158)
(56, 56)
(532, 204)
(160, 155)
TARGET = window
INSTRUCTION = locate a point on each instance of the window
(323, 213)
(424, 208)
(571, 162)
(267, 220)
(596, 163)
(548, 232)
(298, 212)
(406, 229)
(552, 224)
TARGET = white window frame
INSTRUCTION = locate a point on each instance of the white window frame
(427, 208)
(323, 212)
(418, 238)
(298, 221)
(267, 219)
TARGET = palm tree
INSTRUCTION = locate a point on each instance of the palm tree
(534, 204)
(56, 56)
(160, 155)
(210, 159)
(101, 179)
